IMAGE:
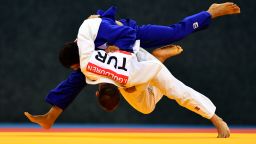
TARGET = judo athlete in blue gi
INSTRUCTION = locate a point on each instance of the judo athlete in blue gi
(110, 33)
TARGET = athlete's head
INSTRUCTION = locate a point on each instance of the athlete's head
(108, 96)
(69, 55)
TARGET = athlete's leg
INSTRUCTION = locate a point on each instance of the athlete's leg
(157, 35)
(187, 97)
(190, 99)
(152, 36)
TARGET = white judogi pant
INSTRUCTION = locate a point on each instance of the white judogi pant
(146, 96)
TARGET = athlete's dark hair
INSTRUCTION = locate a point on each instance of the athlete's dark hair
(69, 54)
(109, 97)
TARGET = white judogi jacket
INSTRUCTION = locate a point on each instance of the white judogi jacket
(119, 68)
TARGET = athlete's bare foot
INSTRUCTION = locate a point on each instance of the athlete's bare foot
(43, 120)
(222, 127)
(47, 120)
(166, 52)
(222, 9)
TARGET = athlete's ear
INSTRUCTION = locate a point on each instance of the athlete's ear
(97, 93)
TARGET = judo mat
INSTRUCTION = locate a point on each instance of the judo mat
(123, 135)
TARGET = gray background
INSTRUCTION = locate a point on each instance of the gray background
(219, 62)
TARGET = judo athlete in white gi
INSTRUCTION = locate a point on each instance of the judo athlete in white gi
(143, 80)
(86, 45)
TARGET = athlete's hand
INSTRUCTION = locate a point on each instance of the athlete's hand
(119, 23)
(111, 49)
(93, 16)
(97, 16)
(228, 8)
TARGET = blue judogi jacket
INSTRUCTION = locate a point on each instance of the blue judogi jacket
(109, 33)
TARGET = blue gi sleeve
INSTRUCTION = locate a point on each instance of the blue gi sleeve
(123, 37)
(67, 90)
(155, 35)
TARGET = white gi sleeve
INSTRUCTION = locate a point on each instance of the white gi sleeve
(85, 40)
